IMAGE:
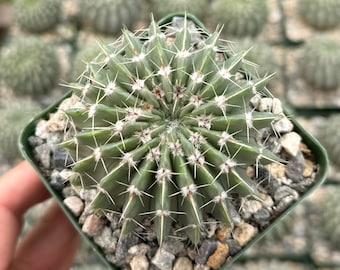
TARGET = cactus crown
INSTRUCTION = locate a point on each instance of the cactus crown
(320, 61)
(164, 129)
(37, 15)
(321, 14)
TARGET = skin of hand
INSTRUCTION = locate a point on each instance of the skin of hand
(51, 244)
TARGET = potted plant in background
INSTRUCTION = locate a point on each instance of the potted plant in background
(166, 151)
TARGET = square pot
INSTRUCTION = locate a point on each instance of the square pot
(312, 144)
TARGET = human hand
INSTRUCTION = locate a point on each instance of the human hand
(51, 244)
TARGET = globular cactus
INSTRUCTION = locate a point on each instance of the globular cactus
(29, 66)
(320, 62)
(329, 214)
(164, 128)
(328, 136)
(321, 14)
(14, 117)
(161, 8)
(240, 18)
(37, 15)
(109, 16)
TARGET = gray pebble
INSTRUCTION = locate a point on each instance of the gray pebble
(124, 245)
(285, 191)
(163, 259)
(75, 204)
(295, 167)
(262, 216)
(284, 125)
(201, 267)
(182, 263)
(61, 158)
(234, 246)
(207, 248)
(93, 225)
(284, 203)
(140, 249)
(57, 182)
(173, 245)
(106, 240)
(291, 142)
(43, 154)
(139, 262)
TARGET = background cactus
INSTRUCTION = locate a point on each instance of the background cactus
(321, 14)
(29, 66)
(163, 128)
(109, 16)
(240, 18)
(37, 15)
(328, 136)
(320, 62)
(13, 121)
(161, 8)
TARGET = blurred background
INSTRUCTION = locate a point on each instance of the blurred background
(45, 44)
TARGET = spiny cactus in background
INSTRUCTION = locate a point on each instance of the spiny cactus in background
(321, 14)
(109, 16)
(161, 8)
(82, 57)
(240, 18)
(29, 66)
(14, 116)
(320, 62)
(37, 15)
(328, 134)
(261, 53)
(164, 128)
(329, 213)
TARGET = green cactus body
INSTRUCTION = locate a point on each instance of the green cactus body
(329, 213)
(320, 62)
(328, 136)
(321, 14)
(15, 116)
(29, 66)
(161, 8)
(240, 18)
(37, 15)
(109, 16)
(164, 129)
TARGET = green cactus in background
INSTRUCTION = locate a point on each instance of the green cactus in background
(164, 128)
(321, 14)
(240, 18)
(161, 8)
(37, 15)
(29, 66)
(14, 115)
(328, 136)
(329, 213)
(320, 62)
(109, 16)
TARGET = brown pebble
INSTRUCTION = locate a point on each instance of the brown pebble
(75, 204)
(217, 259)
(309, 168)
(93, 225)
(277, 170)
(222, 232)
(244, 233)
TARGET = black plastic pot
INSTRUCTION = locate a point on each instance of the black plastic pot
(27, 152)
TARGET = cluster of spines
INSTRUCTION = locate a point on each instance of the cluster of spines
(240, 18)
(109, 16)
(321, 14)
(319, 62)
(29, 66)
(37, 15)
(166, 125)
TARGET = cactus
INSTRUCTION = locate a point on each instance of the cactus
(164, 128)
(29, 66)
(329, 214)
(320, 62)
(37, 15)
(240, 18)
(328, 136)
(321, 14)
(109, 16)
(161, 8)
(15, 116)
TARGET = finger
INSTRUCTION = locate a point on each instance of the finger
(50, 245)
(20, 188)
